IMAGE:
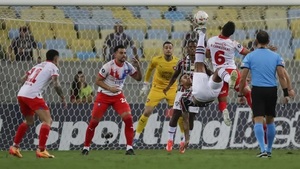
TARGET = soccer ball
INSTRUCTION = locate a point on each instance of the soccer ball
(200, 18)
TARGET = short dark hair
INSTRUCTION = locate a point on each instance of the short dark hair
(118, 47)
(228, 29)
(262, 37)
(79, 72)
(191, 41)
(50, 55)
(167, 42)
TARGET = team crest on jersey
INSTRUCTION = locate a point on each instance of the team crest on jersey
(148, 100)
(174, 67)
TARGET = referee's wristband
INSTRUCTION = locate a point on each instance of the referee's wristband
(285, 92)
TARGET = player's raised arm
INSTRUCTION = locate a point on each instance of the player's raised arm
(137, 75)
(174, 77)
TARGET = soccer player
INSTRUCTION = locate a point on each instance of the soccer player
(205, 87)
(164, 69)
(31, 102)
(221, 49)
(111, 80)
(184, 68)
(264, 64)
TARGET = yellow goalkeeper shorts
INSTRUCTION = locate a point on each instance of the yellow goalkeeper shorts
(156, 95)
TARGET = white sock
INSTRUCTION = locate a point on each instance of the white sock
(200, 50)
(190, 132)
(137, 136)
(172, 131)
(128, 147)
(86, 148)
(224, 75)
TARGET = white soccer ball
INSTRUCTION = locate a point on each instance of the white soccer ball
(200, 18)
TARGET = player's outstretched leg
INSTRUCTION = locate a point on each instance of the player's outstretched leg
(90, 131)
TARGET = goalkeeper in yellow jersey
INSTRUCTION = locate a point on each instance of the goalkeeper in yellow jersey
(164, 66)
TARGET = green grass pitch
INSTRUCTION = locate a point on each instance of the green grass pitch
(154, 159)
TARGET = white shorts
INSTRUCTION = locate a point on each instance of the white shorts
(177, 105)
(204, 89)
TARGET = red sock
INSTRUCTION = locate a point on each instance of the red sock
(265, 133)
(44, 132)
(20, 133)
(90, 131)
(222, 106)
(129, 129)
(248, 97)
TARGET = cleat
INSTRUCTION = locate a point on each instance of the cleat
(43, 154)
(85, 152)
(15, 151)
(262, 155)
(226, 118)
(269, 154)
(169, 146)
(233, 78)
(181, 147)
(129, 152)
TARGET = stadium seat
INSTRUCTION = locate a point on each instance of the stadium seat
(107, 23)
(105, 32)
(295, 44)
(68, 35)
(277, 13)
(135, 34)
(297, 54)
(150, 52)
(161, 9)
(158, 34)
(90, 8)
(33, 25)
(53, 14)
(250, 14)
(56, 44)
(177, 43)
(13, 24)
(113, 8)
(42, 7)
(277, 24)
(7, 13)
(226, 14)
(153, 43)
(294, 13)
(102, 14)
(186, 10)
(295, 24)
(88, 34)
(136, 10)
(129, 53)
(123, 14)
(78, 14)
(13, 33)
(81, 45)
(86, 24)
(34, 14)
(177, 35)
(136, 24)
(42, 35)
(254, 24)
(239, 35)
(212, 32)
(65, 53)
(280, 34)
(148, 14)
(174, 16)
(180, 26)
(99, 46)
(85, 55)
(63, 24)
(161, 24)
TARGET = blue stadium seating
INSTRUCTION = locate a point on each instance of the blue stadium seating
(149, 14)
(174, 16)
(78, 14)
(239, 35)
(102, 14)
(136, 10)
(135, 34)
(177, 35)
(130, 55)
(85, 55)
(86, 24)
(294, 13)
(65, 53)
(13, 33)
(56, 44)
(158, 34)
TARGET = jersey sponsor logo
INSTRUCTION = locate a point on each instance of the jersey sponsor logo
(102, 70)
(119, 82)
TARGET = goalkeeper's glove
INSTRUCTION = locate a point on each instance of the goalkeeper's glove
(145, 88)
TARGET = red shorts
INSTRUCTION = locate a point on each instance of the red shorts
(103, 101)
(28, 105)
(225, 88)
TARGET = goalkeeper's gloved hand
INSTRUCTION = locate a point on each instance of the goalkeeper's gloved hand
(145, 89)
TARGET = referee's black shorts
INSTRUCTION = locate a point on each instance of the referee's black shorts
(264, 101)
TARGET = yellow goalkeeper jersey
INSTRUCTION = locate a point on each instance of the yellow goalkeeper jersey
(163, 71)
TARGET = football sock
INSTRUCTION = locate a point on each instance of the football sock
(128, 129)
(141, 124)
(224, 75)
(172, 131)
(44, 132)
(200, 50)
(271, 131)
(180, 123)
(222, 106)
(21, 131)
(90, 131)
(128, 147)
(259, 134)
(86, 148)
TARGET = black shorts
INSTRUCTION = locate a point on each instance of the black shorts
(264, 101)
